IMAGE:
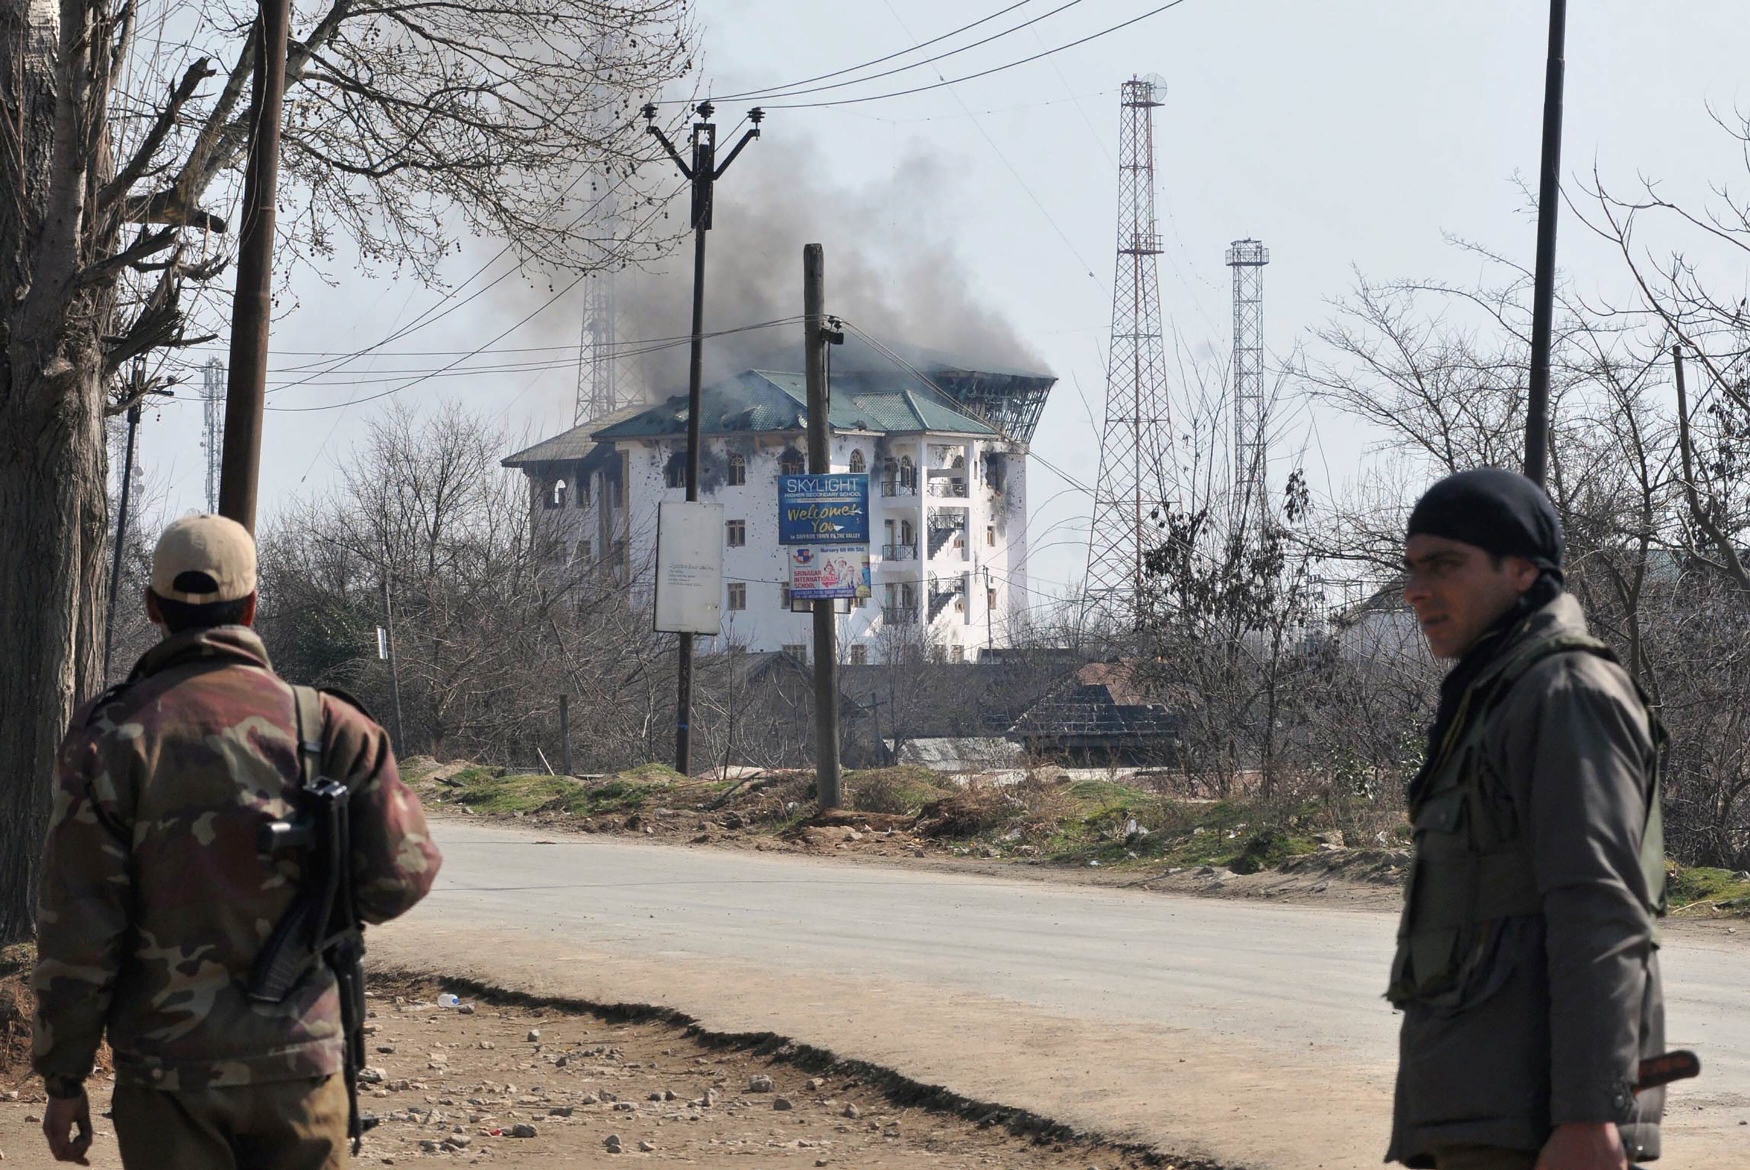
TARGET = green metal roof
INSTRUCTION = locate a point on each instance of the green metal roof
(769, 400)
(570, 445)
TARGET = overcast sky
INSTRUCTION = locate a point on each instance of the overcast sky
(1350, 135)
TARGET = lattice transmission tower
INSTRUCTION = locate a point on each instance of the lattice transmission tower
(213, 403)
(1251, 513)
(1138, 427)
(599, 384)
(602, 386)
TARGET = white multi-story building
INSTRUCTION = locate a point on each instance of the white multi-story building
(945, 450)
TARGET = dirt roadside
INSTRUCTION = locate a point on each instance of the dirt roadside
(516, 1081)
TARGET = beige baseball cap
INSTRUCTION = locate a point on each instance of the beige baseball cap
(204, 559)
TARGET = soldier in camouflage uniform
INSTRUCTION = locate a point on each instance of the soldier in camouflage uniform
(155, 898)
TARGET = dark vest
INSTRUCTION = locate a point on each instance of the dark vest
(1473, 862)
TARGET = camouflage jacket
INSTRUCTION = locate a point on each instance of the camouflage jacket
(154, 898)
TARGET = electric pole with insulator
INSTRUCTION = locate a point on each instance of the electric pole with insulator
(702, 171)
(252, 305)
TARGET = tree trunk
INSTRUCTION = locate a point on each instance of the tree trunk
(53, 503)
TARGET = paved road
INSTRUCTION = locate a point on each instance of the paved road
(1253, 1033)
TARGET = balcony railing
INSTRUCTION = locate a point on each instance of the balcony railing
(941, 601)
(899, 487)
(953, 488)
(940, 537)
(899, 552)
(899, 615)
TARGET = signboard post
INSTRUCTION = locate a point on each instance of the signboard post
(689, 568)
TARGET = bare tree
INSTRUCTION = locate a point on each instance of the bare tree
(1652, 492)
(125, 126)
(1677, 301)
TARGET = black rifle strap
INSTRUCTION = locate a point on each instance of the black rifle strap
(308, 701)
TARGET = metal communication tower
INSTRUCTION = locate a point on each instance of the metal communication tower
(213, 401)
(598, 369)
(1138, 427)
(1250, 454)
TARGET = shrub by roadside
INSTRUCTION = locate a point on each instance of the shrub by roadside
(1046, 818)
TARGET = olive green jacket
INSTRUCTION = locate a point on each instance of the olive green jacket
(1569, 1002)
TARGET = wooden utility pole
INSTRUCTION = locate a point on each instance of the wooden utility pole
(121, 527)
(1549, 195)
(252, 304)
(565, 733)
(826, 657)
(703, 172)
(389, 650)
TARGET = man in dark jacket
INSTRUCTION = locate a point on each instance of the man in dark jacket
(156, 897)
(1527, 965)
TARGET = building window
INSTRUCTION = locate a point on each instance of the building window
(676, 472)
(735, 533)
(783, 597)
(583, 552)
(907, 534)
(857, 464)
(790, 462)
(859, 655)
(556, 494)
(797, 650)
(737, 595)
(990, 598)
(581, 493)
(990, 535)
(737, 470)
(956, 654)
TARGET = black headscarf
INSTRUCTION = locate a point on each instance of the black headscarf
(1500, 512)
(1505, 514)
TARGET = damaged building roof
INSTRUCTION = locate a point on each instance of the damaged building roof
(574, 444)
(892, 390)
(771, 400)
(1007, 397)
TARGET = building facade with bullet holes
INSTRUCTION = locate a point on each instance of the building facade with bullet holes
(945, 449)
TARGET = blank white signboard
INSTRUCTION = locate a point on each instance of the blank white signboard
(689, 567)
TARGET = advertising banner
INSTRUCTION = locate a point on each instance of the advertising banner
(823, 509)
(826, 572)
(689, 568)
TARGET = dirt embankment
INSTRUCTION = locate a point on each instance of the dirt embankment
(477, 1079)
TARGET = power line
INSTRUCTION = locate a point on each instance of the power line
(982, 113)
(531, 315)
(877, 97)
(765, 95)
(1086, 267)
(453, 370)
(426, 317)
(866, 64)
